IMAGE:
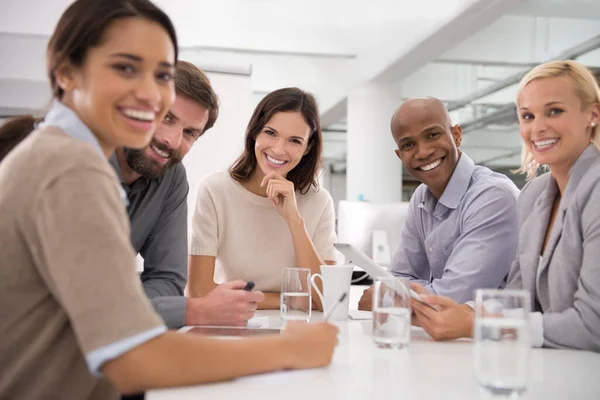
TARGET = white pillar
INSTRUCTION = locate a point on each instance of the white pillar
(373, 170)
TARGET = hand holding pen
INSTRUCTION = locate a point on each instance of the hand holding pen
(332, 309)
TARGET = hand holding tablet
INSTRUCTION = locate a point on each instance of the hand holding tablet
(375, 271)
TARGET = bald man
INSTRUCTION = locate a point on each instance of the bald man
(461, 231)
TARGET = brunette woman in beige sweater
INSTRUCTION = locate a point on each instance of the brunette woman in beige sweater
(267, 212)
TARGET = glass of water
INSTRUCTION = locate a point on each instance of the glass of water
(502, 341)
(391, 312)
(295, 295)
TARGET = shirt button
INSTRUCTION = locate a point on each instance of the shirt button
(431, 249)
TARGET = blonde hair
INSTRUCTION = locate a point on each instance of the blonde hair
(586, 89)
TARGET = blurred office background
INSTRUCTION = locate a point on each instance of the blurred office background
(360, 59)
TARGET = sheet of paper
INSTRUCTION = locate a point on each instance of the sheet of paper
(358, 315)
(258, 322)
(255, 322)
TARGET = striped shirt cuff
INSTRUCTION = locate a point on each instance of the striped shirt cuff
(96, 358)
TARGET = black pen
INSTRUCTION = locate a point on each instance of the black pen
(335, 306)
(249, 286)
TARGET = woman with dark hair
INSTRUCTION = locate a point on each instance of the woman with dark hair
(75, 321)
(268, 212)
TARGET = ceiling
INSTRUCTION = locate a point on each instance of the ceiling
(448, 49)
(324, 46)
(491, 62)
(477, 77)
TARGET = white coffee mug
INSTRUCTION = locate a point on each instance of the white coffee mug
(336, 281)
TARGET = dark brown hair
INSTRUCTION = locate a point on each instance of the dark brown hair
(81, 27)
(305, 174)
(191, 82)
(13, 131)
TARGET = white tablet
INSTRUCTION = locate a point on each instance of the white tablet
(232, 331)
(375, 271)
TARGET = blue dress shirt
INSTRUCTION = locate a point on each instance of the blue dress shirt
(464, 241)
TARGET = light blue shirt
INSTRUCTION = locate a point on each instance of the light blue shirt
(465, 241)
(63, 117)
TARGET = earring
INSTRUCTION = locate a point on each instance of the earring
(593, 124)
(64, 86)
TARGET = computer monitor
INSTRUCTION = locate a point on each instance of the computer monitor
(359, 220)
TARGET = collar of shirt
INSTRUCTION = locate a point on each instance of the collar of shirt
(454, 192)
(62, 116)
(66, 119)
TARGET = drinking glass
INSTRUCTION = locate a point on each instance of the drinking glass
(502, 341)
(391, 312)
(295, 295)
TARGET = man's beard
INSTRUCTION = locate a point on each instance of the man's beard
(148, 167)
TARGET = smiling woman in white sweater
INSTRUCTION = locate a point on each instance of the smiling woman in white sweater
(267, 212)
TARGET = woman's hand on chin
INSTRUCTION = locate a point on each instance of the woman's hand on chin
(282, 194)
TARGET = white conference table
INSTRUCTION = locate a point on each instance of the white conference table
(424, 370)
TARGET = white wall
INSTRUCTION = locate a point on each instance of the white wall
(373, 170)
(221, 145)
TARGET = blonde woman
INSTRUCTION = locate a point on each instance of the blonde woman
(559, 219)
